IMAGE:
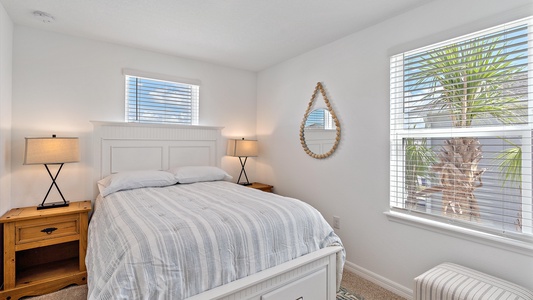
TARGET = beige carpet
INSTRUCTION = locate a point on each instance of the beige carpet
(366, 289)
(352, 282)
(76, 292)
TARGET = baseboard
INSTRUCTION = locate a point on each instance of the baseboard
(379, 280)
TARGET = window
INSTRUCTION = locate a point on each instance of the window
(460, 132)
(320, 119)
(154, 99)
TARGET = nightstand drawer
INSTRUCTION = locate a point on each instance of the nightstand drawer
(46, 228)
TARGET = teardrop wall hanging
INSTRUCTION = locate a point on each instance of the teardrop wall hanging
(318, 123)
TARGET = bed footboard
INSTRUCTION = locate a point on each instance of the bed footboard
(316, 272)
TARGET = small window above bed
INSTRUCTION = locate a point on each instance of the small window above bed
(154, 98)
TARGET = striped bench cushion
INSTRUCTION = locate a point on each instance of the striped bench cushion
(449, 281)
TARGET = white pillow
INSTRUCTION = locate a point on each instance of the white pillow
(192, 174)
(134, 179)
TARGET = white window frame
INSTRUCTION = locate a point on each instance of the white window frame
(398, 133)
(195, 99)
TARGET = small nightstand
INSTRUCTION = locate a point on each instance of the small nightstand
(44, 250)
(261, 186)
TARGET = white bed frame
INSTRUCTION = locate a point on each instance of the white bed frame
(131, 146)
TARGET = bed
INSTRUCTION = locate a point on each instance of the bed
(151, 237)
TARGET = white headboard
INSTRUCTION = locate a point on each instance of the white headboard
(133, 146)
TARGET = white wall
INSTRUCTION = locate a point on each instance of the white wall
(60, 83)
(353, 183)
(6, 45)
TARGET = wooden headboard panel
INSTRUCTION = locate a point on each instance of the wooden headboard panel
(132, 146)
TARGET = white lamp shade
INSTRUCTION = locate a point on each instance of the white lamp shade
(242, 148)
(51, 150)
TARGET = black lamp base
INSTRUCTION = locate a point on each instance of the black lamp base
(44, 205)
(243, 163)
(52, 205)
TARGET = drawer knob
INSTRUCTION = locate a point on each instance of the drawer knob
(49, 230)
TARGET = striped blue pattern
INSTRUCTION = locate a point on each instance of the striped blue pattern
(449, 281)
(175, 242)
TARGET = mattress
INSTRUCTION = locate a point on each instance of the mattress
(178, 241)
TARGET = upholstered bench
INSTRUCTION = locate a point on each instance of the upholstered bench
(450, 281)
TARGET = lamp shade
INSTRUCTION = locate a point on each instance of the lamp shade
(51, 150)
(242, 148)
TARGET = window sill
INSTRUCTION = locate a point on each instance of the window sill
(520, 247)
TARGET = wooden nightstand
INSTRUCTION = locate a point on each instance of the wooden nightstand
(261, 186)
(44, 250)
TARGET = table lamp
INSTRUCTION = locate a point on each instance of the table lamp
(52, 151)
(242, 148)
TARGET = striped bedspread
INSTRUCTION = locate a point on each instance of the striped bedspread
(175, 242)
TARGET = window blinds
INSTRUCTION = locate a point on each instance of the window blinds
(461, 121)
(320, 119)
(158, 101)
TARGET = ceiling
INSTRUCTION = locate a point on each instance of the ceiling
(245, 34)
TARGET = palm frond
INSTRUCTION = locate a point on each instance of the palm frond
(510, 164)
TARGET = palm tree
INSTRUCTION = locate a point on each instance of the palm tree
(466, 82)
(418, 158)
